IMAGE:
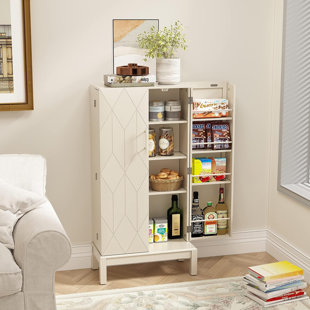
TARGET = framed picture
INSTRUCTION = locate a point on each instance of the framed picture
(16, 92)
(125, 45)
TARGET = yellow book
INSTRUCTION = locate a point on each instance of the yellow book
(275, 271)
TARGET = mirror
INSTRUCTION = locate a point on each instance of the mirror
(15, 56)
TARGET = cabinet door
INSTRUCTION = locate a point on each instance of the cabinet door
(124, 170)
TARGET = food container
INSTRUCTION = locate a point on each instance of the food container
(151, 231)
(157, 111)
(173, 110)
(160, 229)
(202, 170)
(204, 108)
(152, 142)
(166, 185)
(166, 141)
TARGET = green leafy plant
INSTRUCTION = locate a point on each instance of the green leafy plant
(163, 43)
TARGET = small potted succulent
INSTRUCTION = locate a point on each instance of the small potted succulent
(163, 45)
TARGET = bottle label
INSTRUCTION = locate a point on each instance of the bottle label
(151, 145)
(176, 225)
(222, 224)
(163, 143)
(210, 225)
(197, 228)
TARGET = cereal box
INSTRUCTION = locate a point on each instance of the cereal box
(221, 133)
(199, 135)
(202, 169)
(160, 229)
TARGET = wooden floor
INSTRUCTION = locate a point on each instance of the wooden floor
(87, 280)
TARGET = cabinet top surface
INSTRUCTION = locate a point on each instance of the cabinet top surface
(197, 84)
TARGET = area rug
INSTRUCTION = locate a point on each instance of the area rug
(219, 294)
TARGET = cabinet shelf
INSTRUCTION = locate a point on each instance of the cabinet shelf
(204, 151)
(157, 193)
(177, 155)
(182, 121)
(229, 118)
(211, 183)
(214, 237)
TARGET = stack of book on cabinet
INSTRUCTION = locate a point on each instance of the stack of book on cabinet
(275, 283)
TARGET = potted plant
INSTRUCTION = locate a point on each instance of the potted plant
(163, 45)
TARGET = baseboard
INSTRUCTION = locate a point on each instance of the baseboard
(80, 257)
(240, 242)
(283, 250)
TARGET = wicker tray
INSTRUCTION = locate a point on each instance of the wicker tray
(165, 185)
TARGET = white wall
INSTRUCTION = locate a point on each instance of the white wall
(287, 218)
(72, 46)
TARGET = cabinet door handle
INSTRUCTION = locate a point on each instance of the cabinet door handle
(144, 133)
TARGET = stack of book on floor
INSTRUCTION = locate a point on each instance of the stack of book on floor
(275, 283)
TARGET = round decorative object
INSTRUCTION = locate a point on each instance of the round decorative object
(168, 70)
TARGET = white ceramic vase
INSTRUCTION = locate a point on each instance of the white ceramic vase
(168, 70)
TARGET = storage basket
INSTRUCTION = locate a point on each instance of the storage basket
(165, 185)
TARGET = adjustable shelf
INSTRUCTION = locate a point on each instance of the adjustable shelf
(158, 193)
(175, 156)
(182, 121)
(211, 183)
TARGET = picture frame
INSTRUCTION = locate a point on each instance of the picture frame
(125, 45)
(16, 84)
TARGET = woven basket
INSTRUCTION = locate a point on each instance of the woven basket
(165, 185)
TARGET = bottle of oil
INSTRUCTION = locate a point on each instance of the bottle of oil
(175, 219)
(210, 217)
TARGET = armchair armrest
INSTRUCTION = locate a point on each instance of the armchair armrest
(41, 247)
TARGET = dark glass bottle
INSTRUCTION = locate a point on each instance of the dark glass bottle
(197, 215)
(175, 219)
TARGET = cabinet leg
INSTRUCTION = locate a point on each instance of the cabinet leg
(103, 271)
(193, 263)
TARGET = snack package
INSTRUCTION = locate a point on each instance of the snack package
(218, 165)
(199, 135)
(221, 133)
(205, 108)
(160, 229)
(209, 135)
(203, 168)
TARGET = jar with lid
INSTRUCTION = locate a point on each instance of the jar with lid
(152, 142)
(157, 111)
(166, 141)
(173, 110)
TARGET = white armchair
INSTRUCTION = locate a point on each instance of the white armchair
(41, 244)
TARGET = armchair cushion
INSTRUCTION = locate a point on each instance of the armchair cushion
(10, 273)
(14, 203)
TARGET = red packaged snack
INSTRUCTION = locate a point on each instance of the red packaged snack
(221, 133)
(199, 135)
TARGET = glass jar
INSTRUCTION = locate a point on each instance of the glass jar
(157, 111)
(152, 142)
(173, 110)
(166, 141)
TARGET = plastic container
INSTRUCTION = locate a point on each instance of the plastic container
(152, 142)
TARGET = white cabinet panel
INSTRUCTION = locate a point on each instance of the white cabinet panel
(124, 170)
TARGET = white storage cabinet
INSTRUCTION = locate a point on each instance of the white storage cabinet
(122, 202)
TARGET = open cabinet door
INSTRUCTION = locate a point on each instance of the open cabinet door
(124, 170)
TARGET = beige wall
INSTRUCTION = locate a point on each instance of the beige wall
(5, 16)
(287, 218)
(72, 46)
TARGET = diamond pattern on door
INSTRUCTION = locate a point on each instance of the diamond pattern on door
(124, 171)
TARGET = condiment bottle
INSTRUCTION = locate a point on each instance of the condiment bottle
(210, 217)
(222, 212)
